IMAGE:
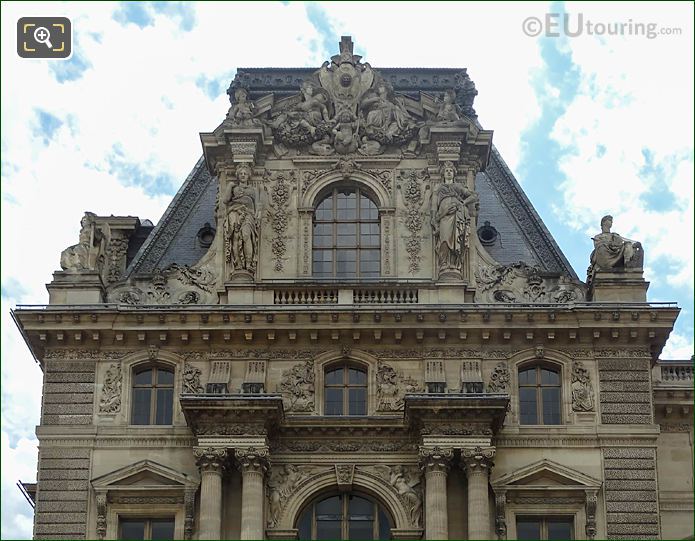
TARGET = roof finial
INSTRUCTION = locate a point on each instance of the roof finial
(346, 52)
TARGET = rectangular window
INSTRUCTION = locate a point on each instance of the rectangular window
(542, 527)
(146, 528)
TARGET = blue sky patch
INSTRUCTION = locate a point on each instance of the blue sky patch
(133, 12)
(183, 11)
(48, 125)
(13, 290)
(72, 69)
(136, 174)
(319, 19)
(214, 87)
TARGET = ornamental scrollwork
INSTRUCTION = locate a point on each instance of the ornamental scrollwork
(522, 283)
(415, 190)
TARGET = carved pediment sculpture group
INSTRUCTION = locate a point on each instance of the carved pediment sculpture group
(347, 107)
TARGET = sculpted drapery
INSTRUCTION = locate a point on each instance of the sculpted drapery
(241, 222)
(451, 220)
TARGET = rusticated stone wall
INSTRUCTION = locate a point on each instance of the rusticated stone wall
(63, 474)
(61, 500)
(68, 393)
(630, 493)
(625, 391)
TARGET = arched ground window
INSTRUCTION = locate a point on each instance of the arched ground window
(344, 516)
(347, 236)
(539, 395)
(345, 390)
(153, 396)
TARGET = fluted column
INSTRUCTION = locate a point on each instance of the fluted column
(253, 463)
(211, 463)
(477, 464)
(435, 464)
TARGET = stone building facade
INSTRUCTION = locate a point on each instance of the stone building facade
(350, 322)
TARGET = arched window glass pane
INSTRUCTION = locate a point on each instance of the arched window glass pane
(540, 396)
(346, 516)
(345, 391)
(347, 236)
(153, 397)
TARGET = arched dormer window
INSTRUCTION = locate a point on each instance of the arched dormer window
(345, 390)
(347, 235)
(153, 395)
(540, 395)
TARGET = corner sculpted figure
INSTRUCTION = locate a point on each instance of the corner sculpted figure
(611, 251)
(451, 220)
(241, 222)
(242, 110)
(87, 254)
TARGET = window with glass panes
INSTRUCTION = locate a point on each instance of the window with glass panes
(539, 396)
(153, 396)
(344, 516)
(347, 236)
(535, 527)
(146, 528)
(345, 390)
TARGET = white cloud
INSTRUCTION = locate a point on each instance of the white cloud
(628, 106)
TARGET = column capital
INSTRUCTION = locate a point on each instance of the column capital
(210, 458)
(252, 459)
(435, 458)
(477, 460)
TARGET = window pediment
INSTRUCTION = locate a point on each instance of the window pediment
(546, 473)
(144, 475)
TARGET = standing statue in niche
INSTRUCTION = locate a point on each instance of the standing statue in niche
(453, 206)
(613, 252)
(241, 222)
(88, 253)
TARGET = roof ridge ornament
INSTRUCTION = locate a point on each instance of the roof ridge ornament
(346, 55)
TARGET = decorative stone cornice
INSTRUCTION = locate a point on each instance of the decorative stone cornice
(435, 459)
(210, 459)
(252, 459)
(478, 460)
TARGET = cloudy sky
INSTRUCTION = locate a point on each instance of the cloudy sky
(590, 124)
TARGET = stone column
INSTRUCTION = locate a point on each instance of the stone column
(435, 463)
(253, 463)
(211, 463)
(477, 464)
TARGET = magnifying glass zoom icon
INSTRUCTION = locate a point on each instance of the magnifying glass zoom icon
(42, 35)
